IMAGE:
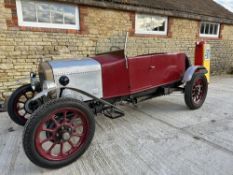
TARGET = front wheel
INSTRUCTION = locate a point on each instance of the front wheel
(18, 107)
(196, 91)
(58, 133)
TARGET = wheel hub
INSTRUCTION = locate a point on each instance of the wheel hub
(63, 134)
(197, 91)
(31, 106)
(66, 136)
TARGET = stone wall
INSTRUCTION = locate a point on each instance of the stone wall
(22, 48)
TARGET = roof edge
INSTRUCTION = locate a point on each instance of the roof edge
(172, 13)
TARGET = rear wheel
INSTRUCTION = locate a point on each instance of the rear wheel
(58, 133)
(196, 91)
(18, 107)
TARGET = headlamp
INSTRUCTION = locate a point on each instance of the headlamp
(33, 80)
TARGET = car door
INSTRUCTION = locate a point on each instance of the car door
(166, 68)
(139, 73)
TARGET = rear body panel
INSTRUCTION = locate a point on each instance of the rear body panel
(168, 68)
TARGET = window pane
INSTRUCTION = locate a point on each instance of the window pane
(211, 29)
(56, 14)
(207, 28)
(56, 18)
(216, 29)
(158, 23)
(155, 29)
(202, 28)
(69, 15)
(162, 28)
(149, 24)
(43, 13)
(29, 11)
(47, 14)
(143, 23)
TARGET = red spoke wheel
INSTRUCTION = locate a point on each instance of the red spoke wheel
(17, 104)
(58, 133)
(196, 91)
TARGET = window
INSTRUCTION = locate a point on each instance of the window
(150, 24)
(47, 14)
(209, 29)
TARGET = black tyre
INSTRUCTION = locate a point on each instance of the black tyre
(196, 91)
(17, 104)
(58, 133)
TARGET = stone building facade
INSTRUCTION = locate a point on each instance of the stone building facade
(21, 48)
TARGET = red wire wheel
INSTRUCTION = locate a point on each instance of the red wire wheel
(58, 133)
(61, 133)
(196, 91)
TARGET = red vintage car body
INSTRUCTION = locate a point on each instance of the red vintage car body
(144, 72)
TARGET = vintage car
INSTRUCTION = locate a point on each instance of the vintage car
(59, 108)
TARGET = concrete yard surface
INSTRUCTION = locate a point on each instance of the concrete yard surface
(161, 136)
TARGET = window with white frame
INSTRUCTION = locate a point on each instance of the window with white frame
(209, 29)
(47, 14)
(151, 24)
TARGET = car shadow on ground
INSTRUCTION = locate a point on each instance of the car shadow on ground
(163, 105)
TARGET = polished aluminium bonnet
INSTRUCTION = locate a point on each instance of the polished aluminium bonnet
(84, 74)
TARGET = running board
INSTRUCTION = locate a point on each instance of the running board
(112, 113)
